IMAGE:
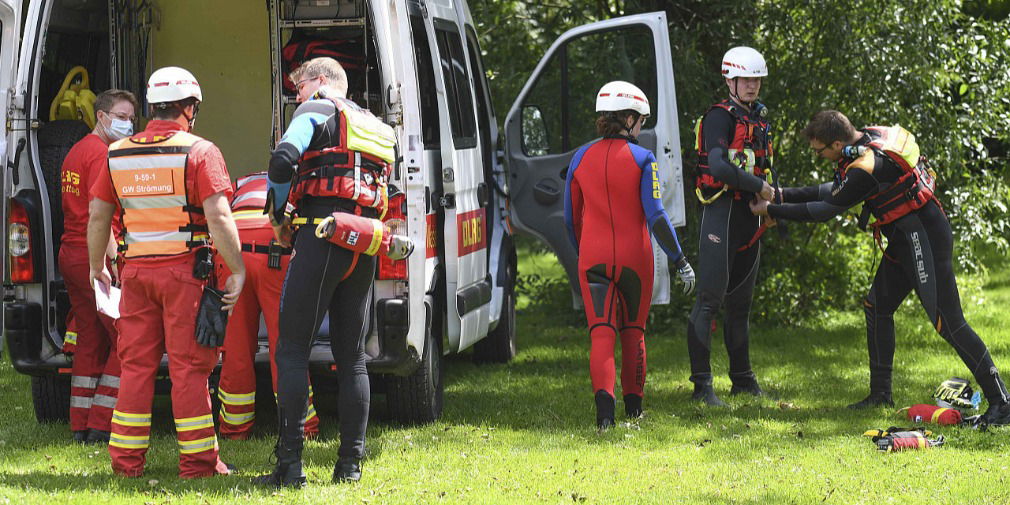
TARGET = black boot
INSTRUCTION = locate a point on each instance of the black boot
(605, 405)
(81, 436)
(288, 471)
(98, 437)
(998, 414)
(633, 406)
(875, 399)
(347, 470)
(750, 387)
(704, 392)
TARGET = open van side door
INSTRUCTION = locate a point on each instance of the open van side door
(10, 19)
(554, 115)
(463, 196)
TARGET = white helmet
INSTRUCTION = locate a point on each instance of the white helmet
(171, 84)
(621, 95)
(743, 61)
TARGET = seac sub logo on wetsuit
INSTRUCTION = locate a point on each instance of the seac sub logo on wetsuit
(920, 264)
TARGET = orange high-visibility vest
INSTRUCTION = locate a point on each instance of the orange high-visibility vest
(149, 177)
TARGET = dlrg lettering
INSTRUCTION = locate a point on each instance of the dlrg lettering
(655, 181)
(471, 231)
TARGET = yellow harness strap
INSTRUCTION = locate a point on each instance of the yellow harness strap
(301, 221)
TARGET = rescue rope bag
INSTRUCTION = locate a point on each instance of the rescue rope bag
(357, 169)
(363, 235)
(149, 176)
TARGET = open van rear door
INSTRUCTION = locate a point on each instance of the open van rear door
(10, 18)
(555, 114)
(463, 196)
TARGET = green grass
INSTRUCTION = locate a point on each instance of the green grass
(525, 432)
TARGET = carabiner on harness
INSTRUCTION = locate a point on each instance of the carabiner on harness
(709, 200)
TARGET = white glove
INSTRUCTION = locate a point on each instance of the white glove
(400, 247)
(686, 274)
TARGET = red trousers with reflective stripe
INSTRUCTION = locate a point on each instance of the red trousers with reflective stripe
(261, 294)
(94, 382)
(158, 315)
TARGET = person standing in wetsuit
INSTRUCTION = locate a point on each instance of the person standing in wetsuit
(612, 236)
(734, 152)
(882, 168)
(323, 166)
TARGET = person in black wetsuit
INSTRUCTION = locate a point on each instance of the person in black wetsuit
(881, 166)
(734, 151)
(317, 168)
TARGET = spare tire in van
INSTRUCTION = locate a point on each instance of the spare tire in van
(55, 140)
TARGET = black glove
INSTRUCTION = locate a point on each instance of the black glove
(210, 319)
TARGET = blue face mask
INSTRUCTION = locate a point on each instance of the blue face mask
(119, 129)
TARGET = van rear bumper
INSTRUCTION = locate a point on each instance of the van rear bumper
(24, 338)
(395, 358)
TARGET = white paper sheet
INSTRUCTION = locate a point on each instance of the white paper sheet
(108, 301)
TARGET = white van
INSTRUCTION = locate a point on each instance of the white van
(416, 64)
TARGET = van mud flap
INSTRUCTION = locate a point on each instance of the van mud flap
(23, 328)
(393, 321)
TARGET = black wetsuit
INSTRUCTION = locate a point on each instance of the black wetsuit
(322, 277)
(918, 256)
(725, 274)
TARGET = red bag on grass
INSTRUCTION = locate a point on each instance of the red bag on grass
(923, 413)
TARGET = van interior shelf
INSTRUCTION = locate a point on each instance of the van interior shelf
(321, 23)
(311, 19)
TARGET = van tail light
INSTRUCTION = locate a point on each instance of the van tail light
(19, 245)
(396, 220)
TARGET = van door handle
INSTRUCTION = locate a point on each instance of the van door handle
(15, 175)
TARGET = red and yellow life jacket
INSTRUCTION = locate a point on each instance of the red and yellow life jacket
(357, 169)
(913, 189)
(149, 177)
(747, 150)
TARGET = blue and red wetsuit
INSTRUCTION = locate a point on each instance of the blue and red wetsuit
(612, 203)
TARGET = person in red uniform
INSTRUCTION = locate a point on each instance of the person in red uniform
(266, 263)
(612, 236)
(94, 381)
(171, 188)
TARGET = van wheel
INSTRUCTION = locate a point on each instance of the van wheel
(499, 346)
(417, 398)
(51, 398)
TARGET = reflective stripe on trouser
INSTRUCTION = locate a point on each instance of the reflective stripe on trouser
(130, 438)
(106, 397)
(157, 317)
(95, 349)
(196, 434)
(260, 295)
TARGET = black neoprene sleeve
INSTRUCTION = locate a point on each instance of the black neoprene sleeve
(717, 127)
